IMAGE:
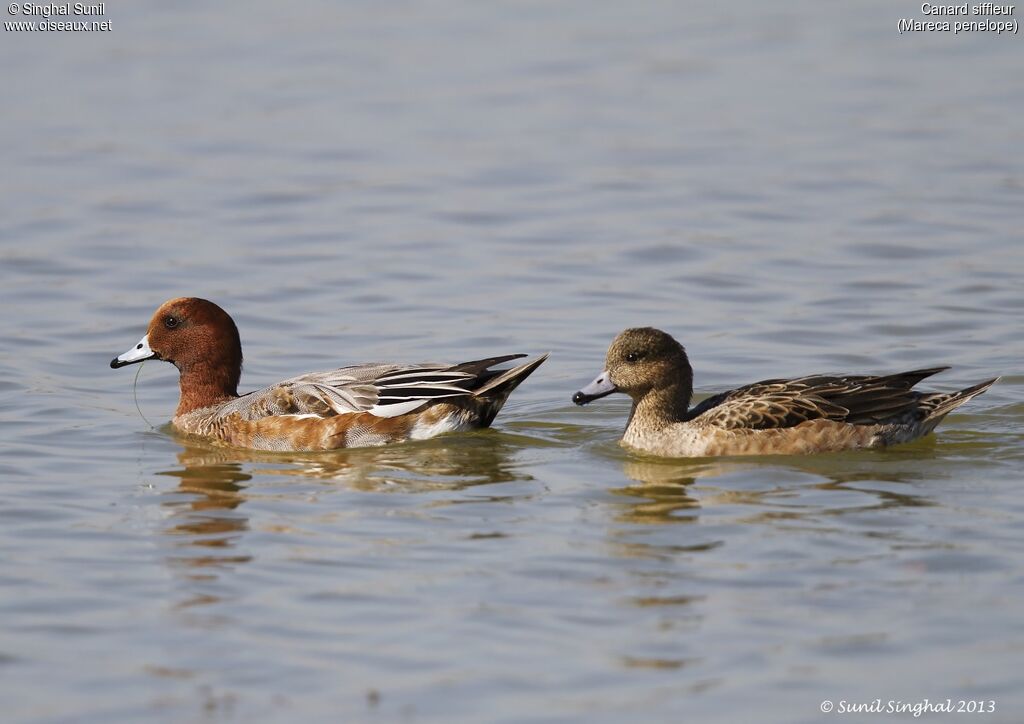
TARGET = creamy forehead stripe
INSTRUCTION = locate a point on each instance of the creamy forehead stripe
(138, 352)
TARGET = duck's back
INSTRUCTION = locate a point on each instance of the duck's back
(819, 413)
(361, 405)
(853, 399)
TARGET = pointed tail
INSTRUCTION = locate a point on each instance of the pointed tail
(492, 395)
(508, 380)
(942, 405)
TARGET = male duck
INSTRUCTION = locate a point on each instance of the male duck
(805, 415)
(357, 406)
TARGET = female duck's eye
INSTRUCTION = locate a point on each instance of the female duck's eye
(170, 322)
(633, 356)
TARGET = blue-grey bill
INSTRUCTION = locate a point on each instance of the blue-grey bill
(138, 353)
(601, 387)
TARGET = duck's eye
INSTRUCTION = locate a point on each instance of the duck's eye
(634, 356)
(170, 322)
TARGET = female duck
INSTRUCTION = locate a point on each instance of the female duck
(362, 405)
(803, 415)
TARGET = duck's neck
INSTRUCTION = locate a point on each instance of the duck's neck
(203, 385)
(662, 407)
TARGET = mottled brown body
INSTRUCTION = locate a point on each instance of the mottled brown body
(813, 414)
(814, 436)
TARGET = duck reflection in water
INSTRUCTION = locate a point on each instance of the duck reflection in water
(812, 493)
(212, 481)
(674, 491)
(667, 488)
(208, 523)
(205, 511)
(661, 495)
(452, 463)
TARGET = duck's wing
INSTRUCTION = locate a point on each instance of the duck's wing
(381, 389)
(854, 399)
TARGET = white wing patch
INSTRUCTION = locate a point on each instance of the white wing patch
(385, 391)
(397, 408)
(406, 390)
(448, 423)
(380, 389)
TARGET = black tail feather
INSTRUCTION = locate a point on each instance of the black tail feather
(942, 405)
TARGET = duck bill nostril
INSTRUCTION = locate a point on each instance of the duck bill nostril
(138, 353)
(601, 387)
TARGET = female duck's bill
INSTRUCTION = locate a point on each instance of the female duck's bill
(601, 387)
(138, 353)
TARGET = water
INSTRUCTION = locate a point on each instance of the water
(787, 190)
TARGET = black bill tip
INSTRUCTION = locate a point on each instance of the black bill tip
(581, 398)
